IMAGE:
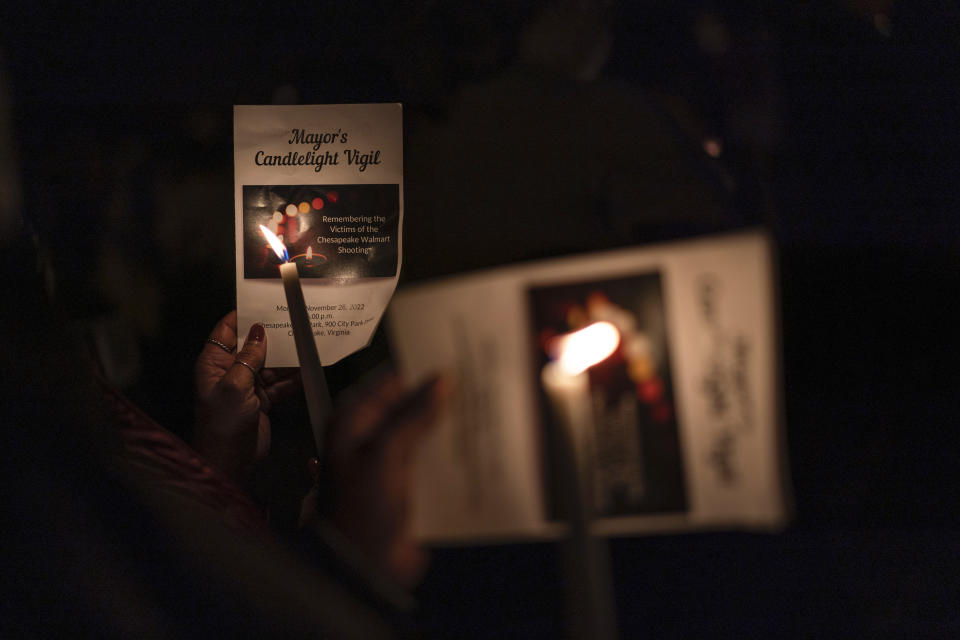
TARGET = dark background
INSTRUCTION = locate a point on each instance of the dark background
(839, 131)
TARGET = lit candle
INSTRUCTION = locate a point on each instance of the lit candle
(587, 559)
(566, 382)
(314, 381)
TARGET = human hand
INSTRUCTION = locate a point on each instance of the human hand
(232, 399)
(373, 438)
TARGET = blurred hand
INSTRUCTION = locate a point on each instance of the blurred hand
(232, 428)
(373, 439)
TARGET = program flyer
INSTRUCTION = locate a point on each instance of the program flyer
(328, 181)
(686, 429)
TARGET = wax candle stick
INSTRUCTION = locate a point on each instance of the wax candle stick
(314, 381)
(586, 558)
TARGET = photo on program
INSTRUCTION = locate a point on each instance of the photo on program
(633, 445)
(329, 231)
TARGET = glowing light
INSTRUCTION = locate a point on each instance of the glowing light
(304, 207)
(638, 346)
(713, 147)
(640, 369)
(309, 254)
(650, 391)
(317, 203)
(275, 243)
(582, 349)
(277, 217)
(332, 196)
(291, 210)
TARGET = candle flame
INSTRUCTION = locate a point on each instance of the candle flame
(309, 253)
(580, 350)
(275, 243)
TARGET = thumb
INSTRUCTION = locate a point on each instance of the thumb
(249, 360)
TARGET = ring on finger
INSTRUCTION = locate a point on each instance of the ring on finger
(221, 345)
(256, 375)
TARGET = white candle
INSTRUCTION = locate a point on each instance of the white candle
(569, 396)
(314, 381)
(567, 385)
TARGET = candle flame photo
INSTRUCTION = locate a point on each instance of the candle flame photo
(613, 332)
(580, 350)
(275, 243)
(350, 233)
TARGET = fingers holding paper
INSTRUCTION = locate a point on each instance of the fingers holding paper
(234, 394)
(373, 441)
